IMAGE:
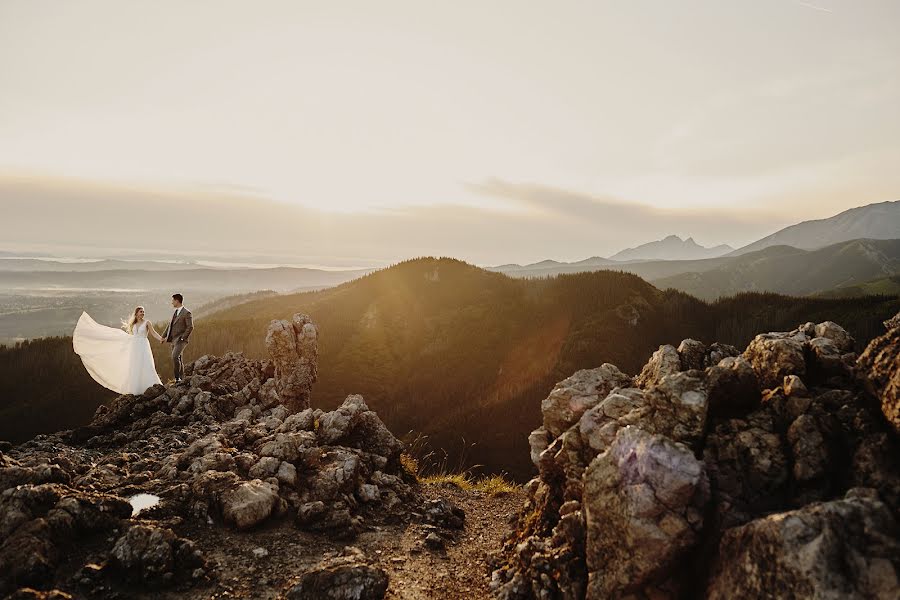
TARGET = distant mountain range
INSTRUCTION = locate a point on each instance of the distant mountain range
(857, 249)
(789, 270)
(879, 221)
(671, 248)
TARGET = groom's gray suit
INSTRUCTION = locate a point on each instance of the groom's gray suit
(177, 333)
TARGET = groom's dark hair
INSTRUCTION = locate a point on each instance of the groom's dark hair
(178, 297)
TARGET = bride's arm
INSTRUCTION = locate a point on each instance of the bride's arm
(152, 330)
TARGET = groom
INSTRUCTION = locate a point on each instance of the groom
(178, 332)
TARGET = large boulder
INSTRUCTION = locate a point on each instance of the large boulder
(665, 361)
(154, 554)
(748, 466)
(879, 369)
(845, 548)
(293, 346)
(732, 387)
(343, 578)
(773, 356)
(643, 500)
(571, 397)
(623, 508)
(250, 503)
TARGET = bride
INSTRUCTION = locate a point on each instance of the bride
(118, 360)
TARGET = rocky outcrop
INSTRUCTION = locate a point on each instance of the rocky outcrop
(156, 555)
(293, 346)
(845, 548)
(221, 448)
(717, 474)
(347, 577)
(643, 506)
(877, 368)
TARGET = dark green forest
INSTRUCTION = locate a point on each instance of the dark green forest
(444, 348)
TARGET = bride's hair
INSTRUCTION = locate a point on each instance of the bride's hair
(129, 324)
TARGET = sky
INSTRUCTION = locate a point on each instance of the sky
(363, 133)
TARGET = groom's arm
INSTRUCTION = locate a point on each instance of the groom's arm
(189, 326)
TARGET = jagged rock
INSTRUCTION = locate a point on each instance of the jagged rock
(444, 514)
(836, 334)
(38, 521)
(571, 397)
(893, 322)
(845, 548)
(249, 503)
(677, 408)
(599, 425)
(644, 502)
(774, 356)
(879, 369)
(294, 351)
(780, 427)
(718, 352)
(732, 387)
(826, 359)
(154, 554)
(343, 578)
(664, 361)
(748, 467)
(538, 441)
(808, 448)
(794, 387)
(692, 354)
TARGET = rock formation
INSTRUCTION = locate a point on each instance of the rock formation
(220, 447)
(717, 474)
(877, 368)
(293, 346)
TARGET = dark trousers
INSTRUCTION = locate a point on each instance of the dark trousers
(177, 349)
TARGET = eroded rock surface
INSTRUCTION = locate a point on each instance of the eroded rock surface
(343, 578)
(877, 368)
(719, 474)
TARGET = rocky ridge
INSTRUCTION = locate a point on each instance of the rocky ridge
(714, 473)
(234, 445)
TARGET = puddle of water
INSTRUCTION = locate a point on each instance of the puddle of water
(141, 502)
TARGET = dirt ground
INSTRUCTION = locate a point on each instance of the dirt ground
(283, 553)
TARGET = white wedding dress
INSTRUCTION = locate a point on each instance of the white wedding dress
(117, 360)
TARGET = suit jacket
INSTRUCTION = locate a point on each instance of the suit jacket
(180, 329)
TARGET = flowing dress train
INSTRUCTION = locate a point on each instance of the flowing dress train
(117, 360)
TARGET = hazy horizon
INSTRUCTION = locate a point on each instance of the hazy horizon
(350, 134)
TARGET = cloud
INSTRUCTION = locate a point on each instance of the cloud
(537, 222)
(815, 7)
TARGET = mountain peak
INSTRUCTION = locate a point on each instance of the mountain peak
(671, 247)
(879, 221)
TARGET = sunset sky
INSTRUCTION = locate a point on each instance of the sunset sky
(366, 132)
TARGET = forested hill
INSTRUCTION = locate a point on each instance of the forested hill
(454, 351)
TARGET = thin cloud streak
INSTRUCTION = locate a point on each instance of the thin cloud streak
(815, 7)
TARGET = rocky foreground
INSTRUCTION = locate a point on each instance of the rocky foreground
(771, 473)
(233, 448)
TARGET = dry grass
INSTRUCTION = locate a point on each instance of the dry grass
(492, 485)
(495, 485)
(432, 467)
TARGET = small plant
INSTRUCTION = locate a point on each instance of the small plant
(495, 485)
(410, 464)
(459, 480)
(432, 467)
